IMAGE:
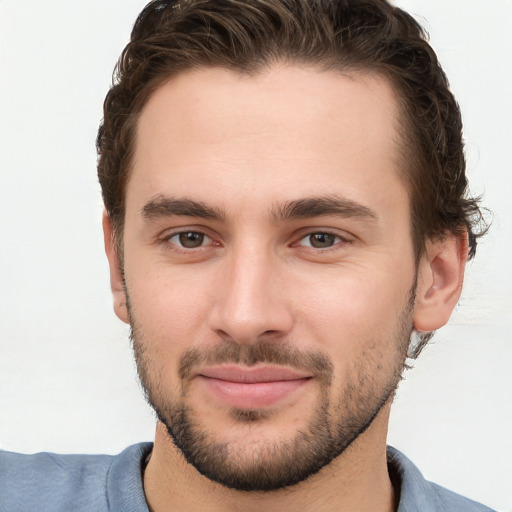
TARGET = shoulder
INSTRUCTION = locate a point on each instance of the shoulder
(47, 481)
(418, 494)
(456, 502)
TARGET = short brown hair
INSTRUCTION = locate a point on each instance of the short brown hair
(247, 36)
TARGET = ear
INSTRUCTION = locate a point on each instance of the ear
(116, 273)
(440, 279)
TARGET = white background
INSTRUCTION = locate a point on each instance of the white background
(67, 380)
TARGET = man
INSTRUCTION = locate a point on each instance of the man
(286, 222)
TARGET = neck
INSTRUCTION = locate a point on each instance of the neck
(356, 481)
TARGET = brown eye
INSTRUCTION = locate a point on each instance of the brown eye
(189, 239)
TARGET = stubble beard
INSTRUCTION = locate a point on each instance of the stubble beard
(266, 465)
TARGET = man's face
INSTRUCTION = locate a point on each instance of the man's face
(268, 266)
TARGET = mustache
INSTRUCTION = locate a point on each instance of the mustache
(280, 354)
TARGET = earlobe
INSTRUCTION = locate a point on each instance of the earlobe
(116, 273)
(440, 279)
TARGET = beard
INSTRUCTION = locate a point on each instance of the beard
(263, 465)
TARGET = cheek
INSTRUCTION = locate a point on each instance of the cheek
(354, 313)
(169, 312)
(364, 331)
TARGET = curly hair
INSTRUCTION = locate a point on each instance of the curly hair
(248, 36)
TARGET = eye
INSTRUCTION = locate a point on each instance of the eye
(189, 239)
(320, 240)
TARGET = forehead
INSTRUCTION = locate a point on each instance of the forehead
(289, 131)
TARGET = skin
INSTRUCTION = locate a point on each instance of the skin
(203, 136)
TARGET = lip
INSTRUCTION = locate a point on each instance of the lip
(252, 388)
(252, 375)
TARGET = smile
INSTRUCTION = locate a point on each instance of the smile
(252, 388)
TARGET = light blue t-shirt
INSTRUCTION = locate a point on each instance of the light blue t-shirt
(46, 482)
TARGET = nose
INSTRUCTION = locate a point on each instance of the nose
(251, 301)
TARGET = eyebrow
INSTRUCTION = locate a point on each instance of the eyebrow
(323, 206)
(162, 206)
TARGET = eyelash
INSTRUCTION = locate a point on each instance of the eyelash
(338, 239)
(180, 248)
(177, 246)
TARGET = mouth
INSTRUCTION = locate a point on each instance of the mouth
(252, 388)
